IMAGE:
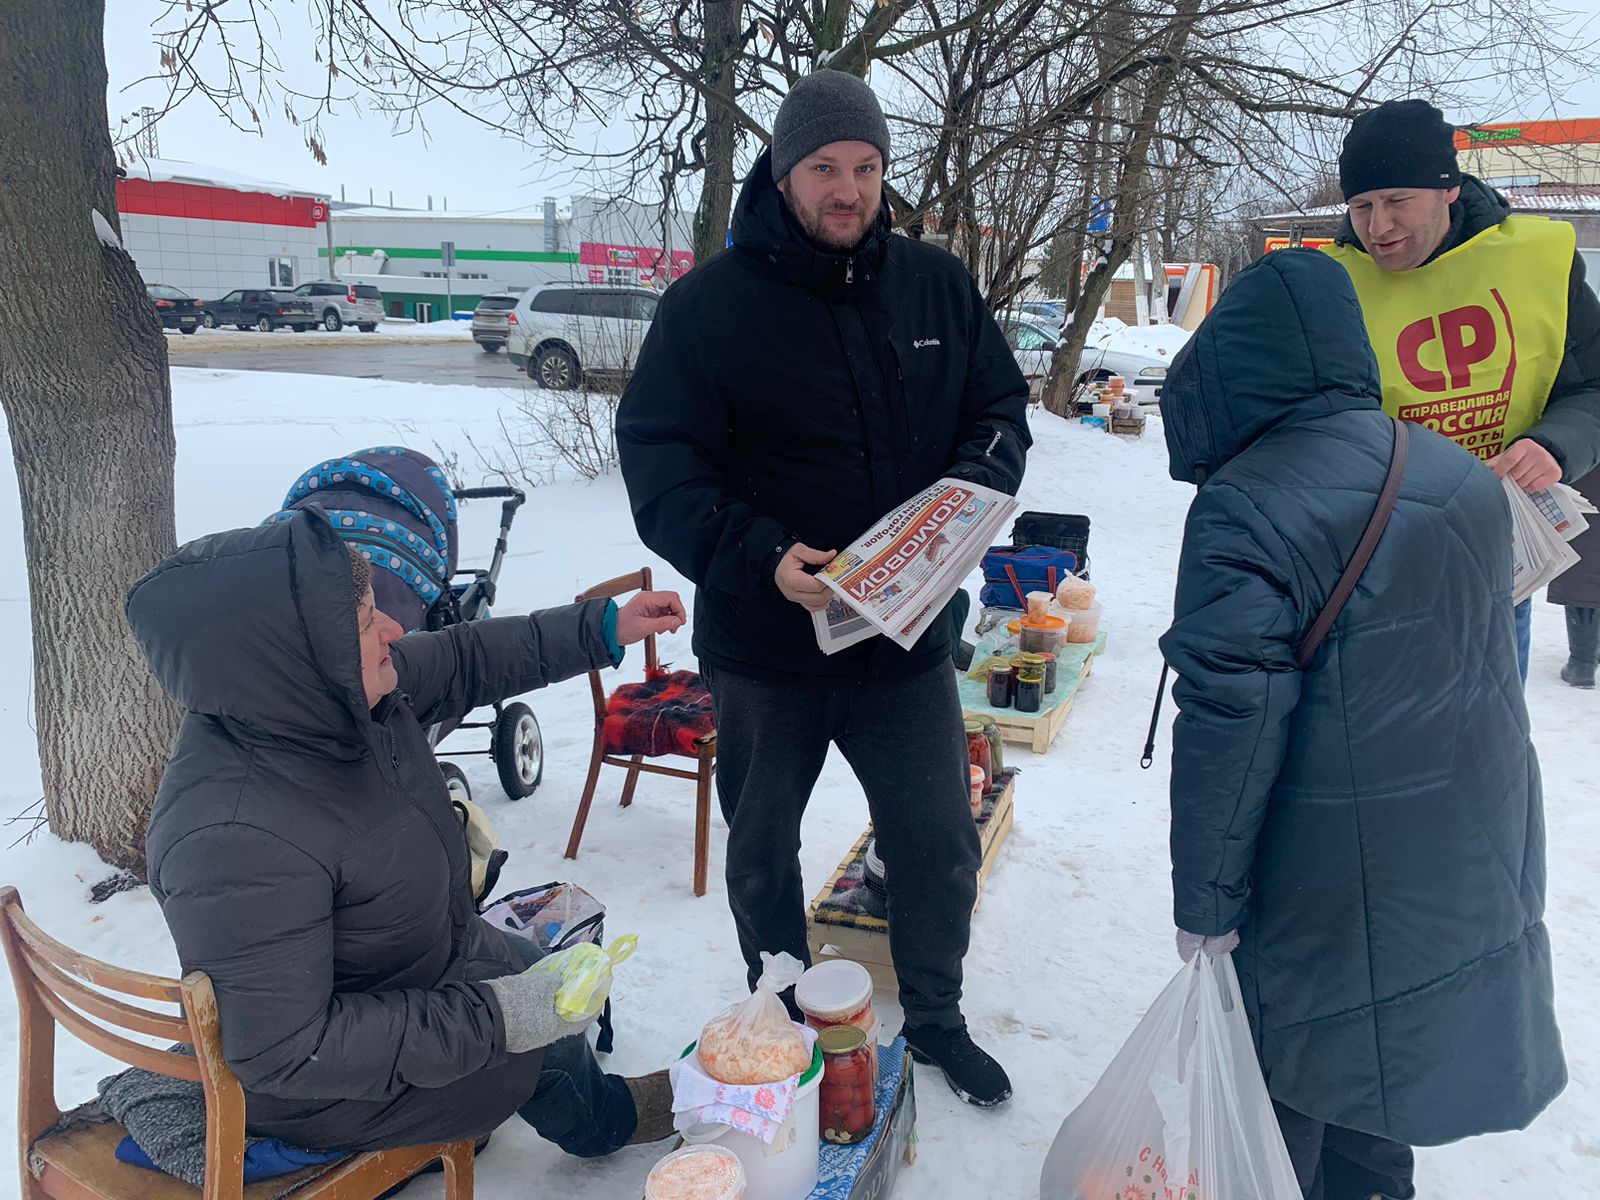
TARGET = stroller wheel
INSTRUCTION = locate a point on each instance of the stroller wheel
(455, 781)
(518, 750)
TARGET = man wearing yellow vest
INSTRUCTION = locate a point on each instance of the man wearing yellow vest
(1483, 325)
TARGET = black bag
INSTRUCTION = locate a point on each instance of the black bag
(1065, 531)
(556, 916)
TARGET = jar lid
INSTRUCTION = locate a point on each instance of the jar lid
(972, 725)
(841, 1039)
(1000, 667)
(1044, 622)
(834, 990)
(1029, 659)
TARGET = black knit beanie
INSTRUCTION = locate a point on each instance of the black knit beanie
(1399, 144)
(824, 107)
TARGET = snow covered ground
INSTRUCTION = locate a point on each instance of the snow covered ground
(1074, 937)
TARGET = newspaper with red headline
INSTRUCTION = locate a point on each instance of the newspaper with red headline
(898, 576)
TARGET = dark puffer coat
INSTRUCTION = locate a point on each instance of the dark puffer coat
(1373, 825)
(304, 851)
(787, 392)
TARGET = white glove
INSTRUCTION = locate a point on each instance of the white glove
(1189, 943)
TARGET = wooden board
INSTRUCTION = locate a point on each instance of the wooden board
(867, 941)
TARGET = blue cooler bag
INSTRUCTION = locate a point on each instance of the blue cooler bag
(1011, 572)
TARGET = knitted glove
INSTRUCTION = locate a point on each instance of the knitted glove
(1188, 943)
(528, 1007)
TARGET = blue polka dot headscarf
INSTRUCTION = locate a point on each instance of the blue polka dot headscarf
(418, 553)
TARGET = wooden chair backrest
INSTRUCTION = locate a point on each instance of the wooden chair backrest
(53, 988)
(639, 581)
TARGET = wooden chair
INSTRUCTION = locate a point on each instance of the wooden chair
(633, 763)
(78, 1161)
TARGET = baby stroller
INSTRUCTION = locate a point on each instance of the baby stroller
(396, 506)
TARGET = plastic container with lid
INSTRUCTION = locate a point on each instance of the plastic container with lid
(1085, 627)
(977, 790)
(696, 1173)
(771, 1173)
(839, 992)
(1045, 634)
(876, 898)
(846, 1106)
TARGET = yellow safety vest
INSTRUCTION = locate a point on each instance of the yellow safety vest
(1469, 344)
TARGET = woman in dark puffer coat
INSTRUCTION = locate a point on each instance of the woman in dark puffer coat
(1372, 826)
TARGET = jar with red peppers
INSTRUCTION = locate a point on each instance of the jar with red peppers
(846, 1108)
(979, 753)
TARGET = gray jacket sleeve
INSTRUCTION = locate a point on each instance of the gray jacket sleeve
(263, 931)
(1232, 645)
(450, 673)
(1570, 426)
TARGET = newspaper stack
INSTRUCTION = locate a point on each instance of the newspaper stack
(1542, 523)
(898, 576)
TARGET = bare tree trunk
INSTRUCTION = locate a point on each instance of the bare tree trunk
(84, 383)
(721, 131)
(1127, 210)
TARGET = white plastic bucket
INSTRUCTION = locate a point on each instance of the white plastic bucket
(771, 1173)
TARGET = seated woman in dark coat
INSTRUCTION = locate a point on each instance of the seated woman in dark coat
(306, 856)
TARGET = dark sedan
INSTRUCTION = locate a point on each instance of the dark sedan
(176, 309)
(261, 308)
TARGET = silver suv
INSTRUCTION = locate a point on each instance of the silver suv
(562, 333)
(340, 304)
(491, 326)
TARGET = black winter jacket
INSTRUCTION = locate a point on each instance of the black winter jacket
(1570, 426)
(304, 851)
(1373, 825)
(785, 392)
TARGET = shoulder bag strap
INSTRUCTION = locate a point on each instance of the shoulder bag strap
(1363, 555)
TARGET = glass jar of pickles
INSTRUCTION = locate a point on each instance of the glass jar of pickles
(845, 1099)
(1030, 688)
(979, 753)
(1000, 682)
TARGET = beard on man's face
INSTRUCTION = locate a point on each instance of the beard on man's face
(830, 230)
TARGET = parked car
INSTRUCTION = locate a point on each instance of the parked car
(177, 310)
(564, 332)
(339, 304)
(1050, 313)
(491, 321)
(1034, 344)
(261, 309)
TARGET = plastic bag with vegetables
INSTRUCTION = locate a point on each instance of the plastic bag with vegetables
(755, 1041)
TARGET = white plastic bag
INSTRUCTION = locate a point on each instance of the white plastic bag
(755, 1041)
(1182, 1112)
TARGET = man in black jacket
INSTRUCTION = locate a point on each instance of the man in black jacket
(789, 393)
(1484, 326)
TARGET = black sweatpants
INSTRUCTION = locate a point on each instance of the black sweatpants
(1333, 1163)
(904, 741)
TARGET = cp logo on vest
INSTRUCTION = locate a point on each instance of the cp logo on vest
(1438, 355)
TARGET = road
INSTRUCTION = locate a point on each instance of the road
(350, 353)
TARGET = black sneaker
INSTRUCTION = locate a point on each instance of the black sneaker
(971, 1073)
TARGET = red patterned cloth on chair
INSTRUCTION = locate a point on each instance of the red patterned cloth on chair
(666, 715)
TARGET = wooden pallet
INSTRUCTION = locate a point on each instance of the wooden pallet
(867, 941)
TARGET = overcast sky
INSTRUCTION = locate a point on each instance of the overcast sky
(476, 168)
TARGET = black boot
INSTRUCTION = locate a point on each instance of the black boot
(1583, 644)
(971, 1073)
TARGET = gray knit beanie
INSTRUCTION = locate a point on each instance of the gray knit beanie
(824, 107)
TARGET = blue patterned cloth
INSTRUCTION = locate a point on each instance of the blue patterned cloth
(840, 1165)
